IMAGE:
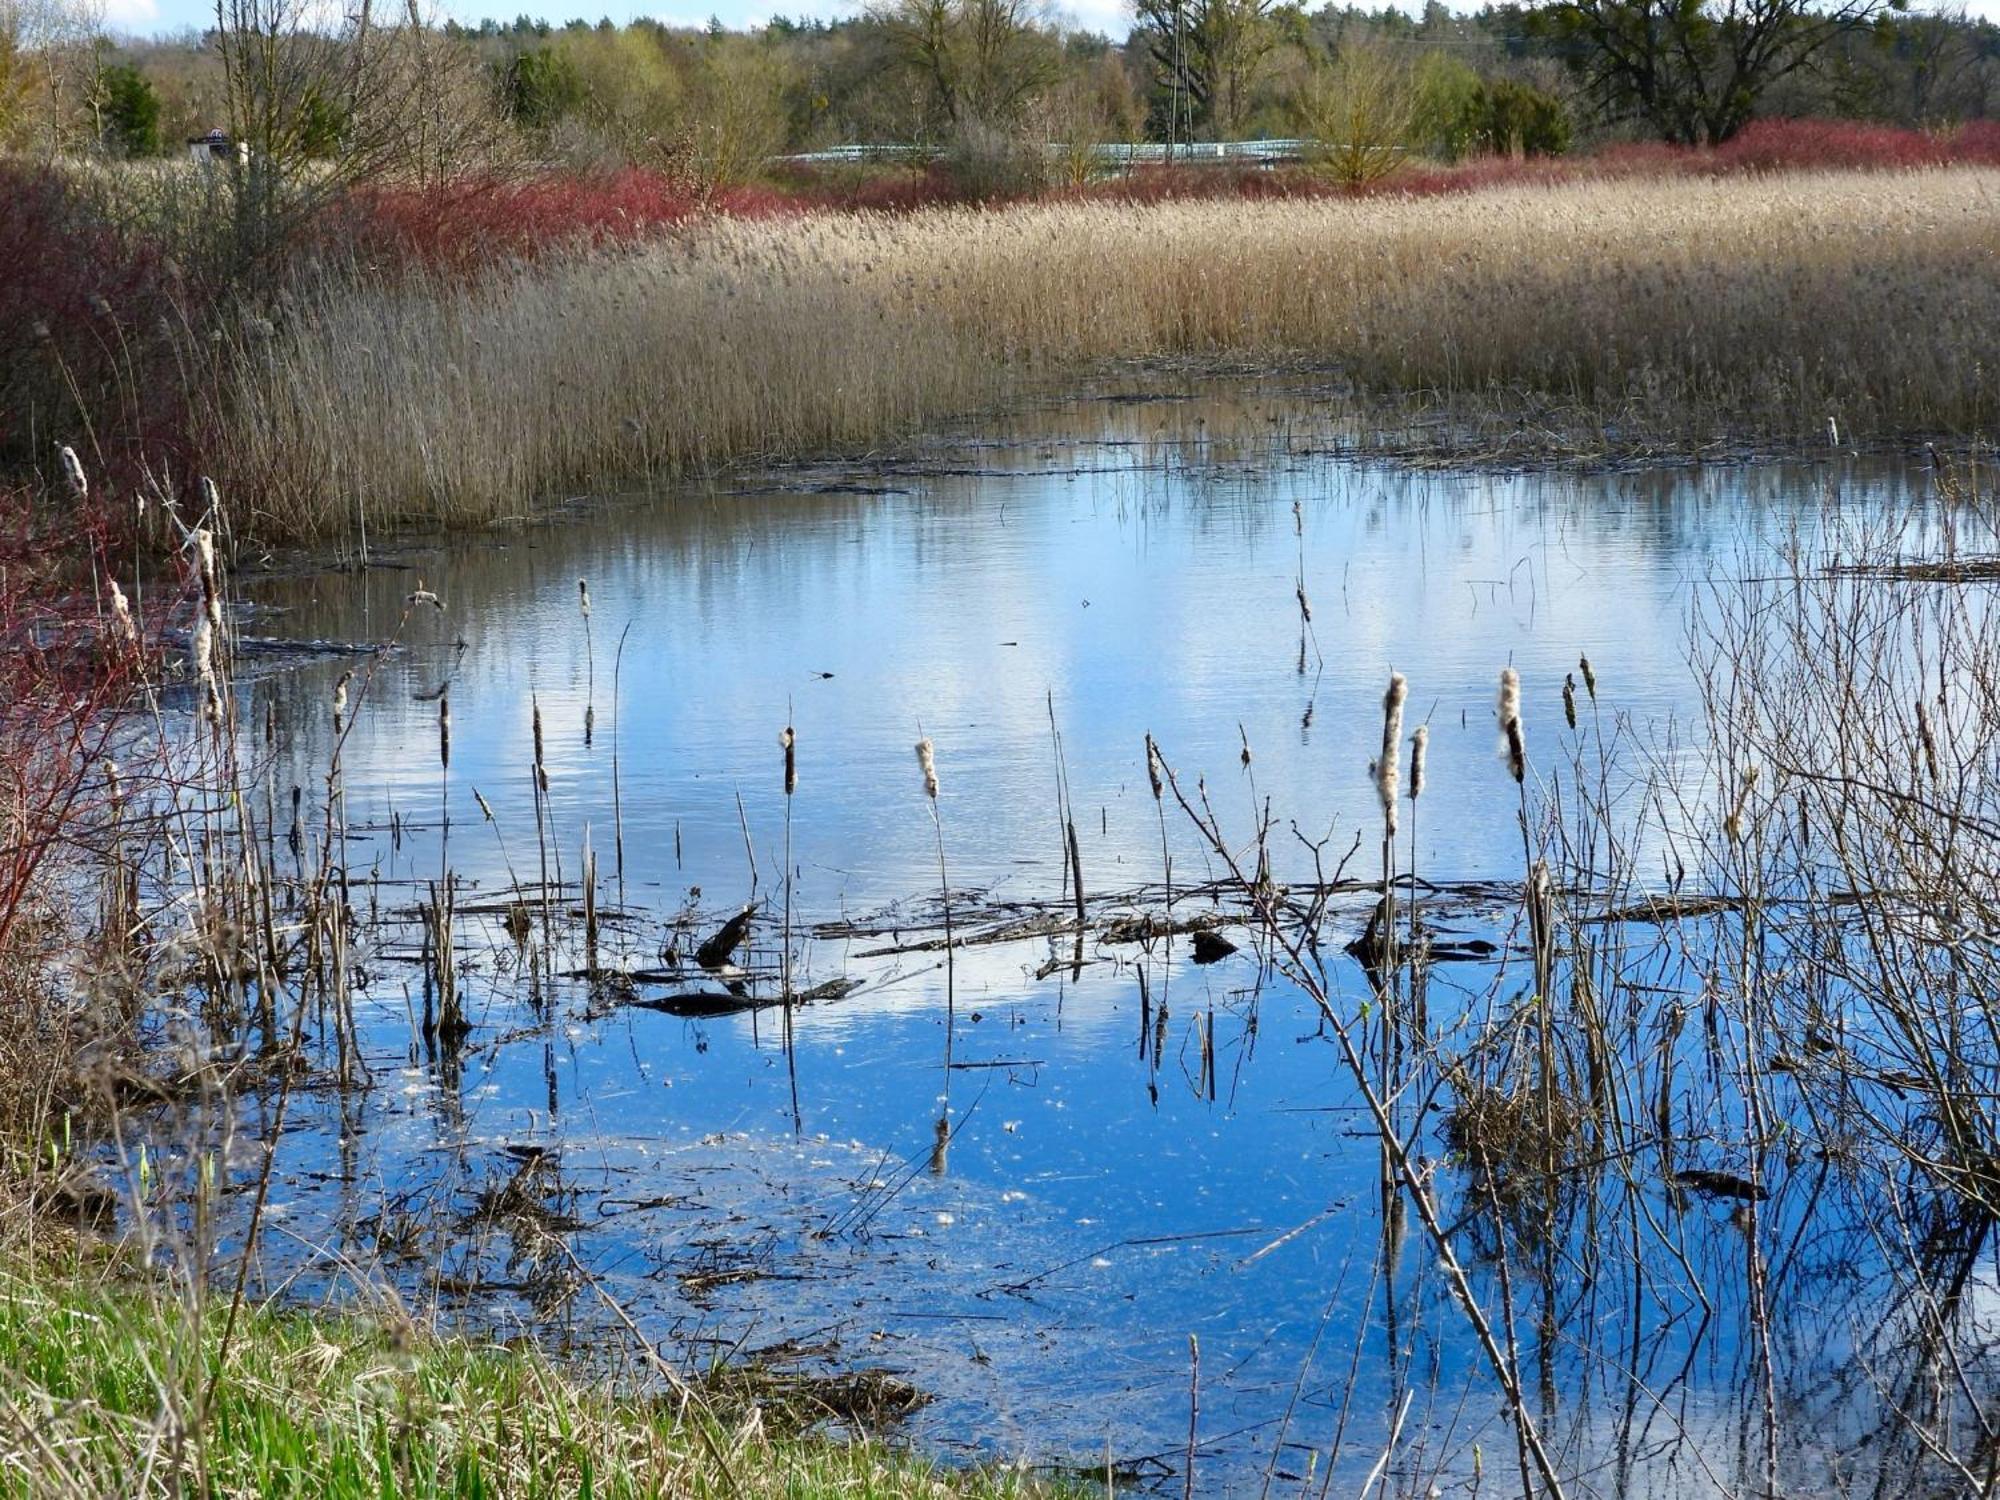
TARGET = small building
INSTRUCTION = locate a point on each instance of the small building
(216, 149)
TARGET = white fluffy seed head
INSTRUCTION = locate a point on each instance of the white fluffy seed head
(1420, 743)
(1510, 724)
(1388, 772)
(583, 596)
(121, 616)
(927, 763)
(73, 475)
(1154, 768)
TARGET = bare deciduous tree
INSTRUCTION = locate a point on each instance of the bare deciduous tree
(1694, 70)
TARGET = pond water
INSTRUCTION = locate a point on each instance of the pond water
(1136, 1149)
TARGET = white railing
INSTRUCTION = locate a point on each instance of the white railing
(1122, 154)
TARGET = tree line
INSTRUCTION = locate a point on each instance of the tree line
(983, 81)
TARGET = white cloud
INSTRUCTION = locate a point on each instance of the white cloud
(1112, 18)
(132, 15)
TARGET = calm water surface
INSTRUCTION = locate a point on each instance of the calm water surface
(1132, 568)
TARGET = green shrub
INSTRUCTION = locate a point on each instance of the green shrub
(131, 112)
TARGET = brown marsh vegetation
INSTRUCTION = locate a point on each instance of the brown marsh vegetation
(1589, 317)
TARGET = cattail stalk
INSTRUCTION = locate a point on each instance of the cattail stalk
(927, 764)
(444, 785)
(540, 776)
(589, 663)
(1156, 777)
(788, 742)
(1420, 743)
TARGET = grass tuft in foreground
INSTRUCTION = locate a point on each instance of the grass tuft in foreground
(111, 1388)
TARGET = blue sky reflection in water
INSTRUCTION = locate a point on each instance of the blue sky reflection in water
(1041, 1273)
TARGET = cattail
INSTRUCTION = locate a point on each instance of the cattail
(791, 757)
(927, 763)
(201, 654)
(1569, 698)
(1733, 824)
(1510, 724)
(1589, 677)
(485, 807)
(340, 702)
(1305, 609)
(583, 596)
(201, 651)
(1246, 746)
(444, 732)
(1420, 743)
(1924, 738)
(73, 475)
(1388, 772)
(1153, 768)
(538, 736)
(203, 542)
(211, 497)
(128, 632)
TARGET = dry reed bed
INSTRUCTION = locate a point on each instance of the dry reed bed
(1697, 308)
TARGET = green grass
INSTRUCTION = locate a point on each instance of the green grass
(104, 1388)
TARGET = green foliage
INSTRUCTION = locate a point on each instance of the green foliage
(632, 96)
(1445, 107)
(319, 127)
(130, 111)
(539, 87)
(737, 114)
(320, 1406)
(1359, 110)
(1517, 119)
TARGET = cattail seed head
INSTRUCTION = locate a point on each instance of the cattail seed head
(1420, 744)
(485, 807)
(340, 701)
(537, 720)
(201, 655)
(583, 596)
(1388, 774)
(202, 540)
(1732, 825)
(73, 475)
(1510, 724)
(1153, 768)
(121, 617)
(927, 763)
(1569, 698)
(1240, 734)
(787, 741)
(444, 731)
(1589, 677)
